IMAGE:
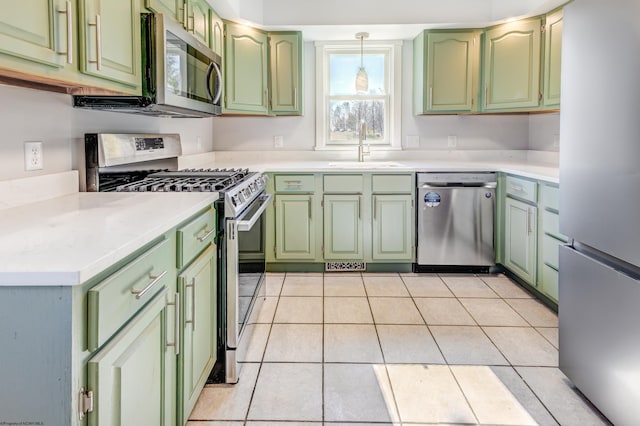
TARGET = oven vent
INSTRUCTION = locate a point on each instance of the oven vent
(345, 266)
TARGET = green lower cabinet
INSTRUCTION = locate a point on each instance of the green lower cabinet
(295, 228)
(128, 376)
(343, 227)
(392, 227)
(197, 288)
(520, 239)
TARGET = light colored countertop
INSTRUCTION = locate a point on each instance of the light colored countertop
(67, 240)
(530, 164)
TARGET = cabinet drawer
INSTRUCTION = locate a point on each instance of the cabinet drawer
(550, 281)
(295, 183)
(391, 183)
(521, 188)
(343, 183)
(551, 225)
(113, 301)
(195, 236)
(550, 248)
(550, 197)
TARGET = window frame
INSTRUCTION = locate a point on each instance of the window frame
(394, 77)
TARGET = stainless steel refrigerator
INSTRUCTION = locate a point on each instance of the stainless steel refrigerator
(599, 288)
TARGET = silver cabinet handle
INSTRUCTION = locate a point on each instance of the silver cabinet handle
(517, 188)
(529, 230)
(359, 207)
(266, 98)
(430, 97)
(375, 205)
(207, 234)
(486, 96)
(155, 280)
(69, 13)
(310, 210)
(192, 321)
(295, 98)
(185, 12)
(98, 26)
(176, 324)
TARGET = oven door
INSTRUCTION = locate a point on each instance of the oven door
(246, 265)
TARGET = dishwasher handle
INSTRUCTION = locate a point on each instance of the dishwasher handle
(431, 185)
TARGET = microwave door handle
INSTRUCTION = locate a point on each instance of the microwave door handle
(208, 80)
(246, 225)
(218, 95)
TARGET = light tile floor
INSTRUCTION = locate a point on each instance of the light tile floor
(402, 349)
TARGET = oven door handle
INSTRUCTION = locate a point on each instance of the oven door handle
(246, 225)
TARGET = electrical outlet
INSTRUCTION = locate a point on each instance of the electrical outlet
(278, 142)
(33, 159)
(452, 141)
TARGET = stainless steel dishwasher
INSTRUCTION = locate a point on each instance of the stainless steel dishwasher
(455, 221)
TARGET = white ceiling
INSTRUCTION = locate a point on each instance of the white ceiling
(383, 19)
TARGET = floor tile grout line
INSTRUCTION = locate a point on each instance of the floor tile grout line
(425, 321)
(455, 378)
(264, 351)
(536, 394)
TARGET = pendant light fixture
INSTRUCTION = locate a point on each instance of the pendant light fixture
(362, 79)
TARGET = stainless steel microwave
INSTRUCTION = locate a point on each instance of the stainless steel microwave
(181, 76)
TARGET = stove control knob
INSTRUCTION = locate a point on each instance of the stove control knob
(234, 200)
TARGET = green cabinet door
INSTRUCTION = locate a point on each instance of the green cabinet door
(295, 227)
(286, 72)
(217, 34)
(552, 59)
(39, 31)
(512, 65)
(392, 227)
(173, 8)
(246, 67)
(199, 20)
(128, 374)
(110, 40)
(520, 235)
(343, 227)
(446, 71)
(197, 288)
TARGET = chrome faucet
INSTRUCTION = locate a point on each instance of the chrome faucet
(362, 149)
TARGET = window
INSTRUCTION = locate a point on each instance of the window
(340, 109)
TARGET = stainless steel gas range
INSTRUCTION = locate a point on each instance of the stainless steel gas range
(149, 162)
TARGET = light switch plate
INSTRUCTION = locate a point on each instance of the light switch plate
(278, 142)
(452, 141)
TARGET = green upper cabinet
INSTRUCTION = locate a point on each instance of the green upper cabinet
(552, 59)
(285, 56)
(199, 20)
(217, 34)
(40, 31)
(511, 70)
(295, 228)
(343, 227)
(392, 227)
(173, 8)
(445, 73)
(197, 288)
(128, 376)
(110, 40)
(246, 70)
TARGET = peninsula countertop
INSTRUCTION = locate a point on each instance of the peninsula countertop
(64, 241)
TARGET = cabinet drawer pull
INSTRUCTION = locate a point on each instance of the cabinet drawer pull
(176, 324)
(486, 96)
(310, 210)
(185, 12)
(359, 207)
(98, 26)
(207, 234)
(192, 321)
(295, 98)
(517, 188)
(69, 51)
(529, 230)
(431, 97)
(155, 280)
(375, 206)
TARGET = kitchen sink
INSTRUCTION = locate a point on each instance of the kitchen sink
(364, 164)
